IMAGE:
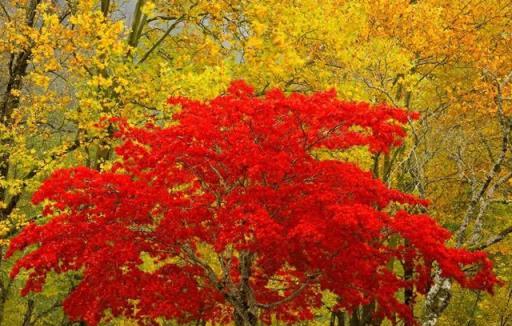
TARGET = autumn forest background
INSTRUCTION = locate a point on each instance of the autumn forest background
(65, 65)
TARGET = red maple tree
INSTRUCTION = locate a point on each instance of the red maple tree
(240, 219)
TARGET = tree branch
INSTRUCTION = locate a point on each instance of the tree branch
(292, 296)
(494, 239)
(162, 38)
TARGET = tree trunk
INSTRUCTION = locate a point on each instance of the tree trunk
(354, 319)
(408, 292)
(438, 298)
(337, 318)
(364, 316)
(3, 298)
(3, 291)
(28, 313)
(18, 65)
(249, 320)
(245, 309)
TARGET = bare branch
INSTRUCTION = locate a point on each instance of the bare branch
(494, 239)
(162, 38)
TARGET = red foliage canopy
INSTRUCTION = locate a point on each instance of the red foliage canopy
(241, 219)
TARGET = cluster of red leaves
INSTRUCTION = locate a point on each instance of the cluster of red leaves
(237, 174)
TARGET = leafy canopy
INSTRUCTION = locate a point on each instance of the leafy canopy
(230, 215)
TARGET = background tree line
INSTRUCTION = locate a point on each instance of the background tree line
(64, 65)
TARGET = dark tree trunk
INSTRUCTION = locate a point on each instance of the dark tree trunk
(28, 313)
(245, 311)
(18, 65)
(249, 320)
(365, 316)
(337, 318)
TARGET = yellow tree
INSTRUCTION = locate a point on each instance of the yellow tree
(461, 51)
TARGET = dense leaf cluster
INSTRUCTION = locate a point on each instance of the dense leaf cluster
(240, 219)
